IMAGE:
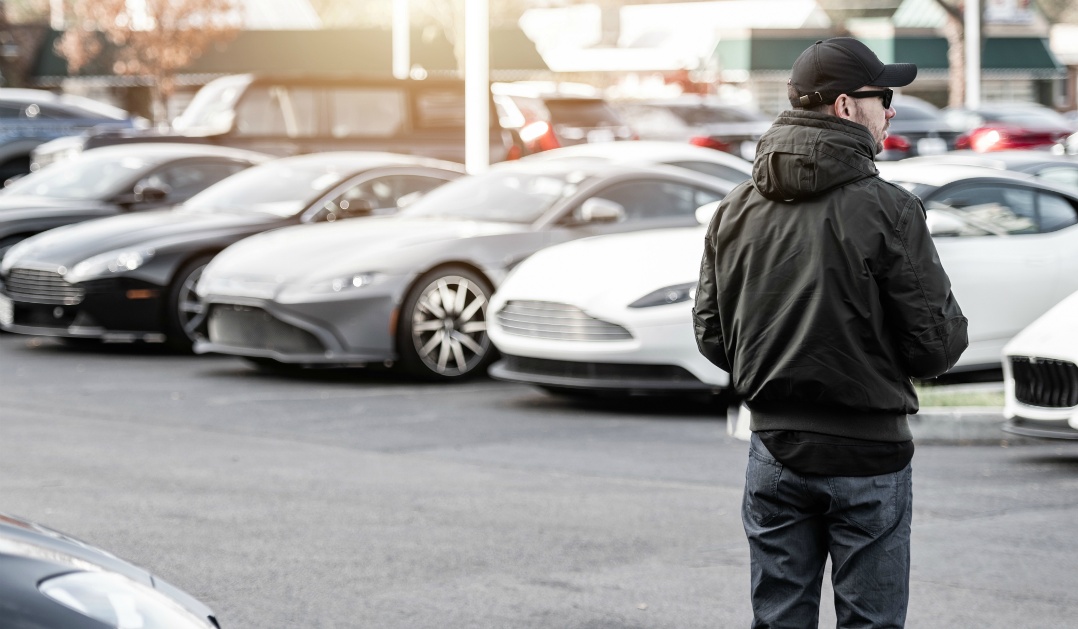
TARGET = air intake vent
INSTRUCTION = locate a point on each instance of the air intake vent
(562, 322)
(1045, 382)
(42, 287)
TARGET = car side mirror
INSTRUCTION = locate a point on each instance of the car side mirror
(706, 211)
(596, 210)
(151, 194)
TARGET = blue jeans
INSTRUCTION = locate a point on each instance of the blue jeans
(794, 522)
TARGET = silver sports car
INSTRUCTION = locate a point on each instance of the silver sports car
(413, 288)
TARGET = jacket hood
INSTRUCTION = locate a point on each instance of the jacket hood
(805, 154)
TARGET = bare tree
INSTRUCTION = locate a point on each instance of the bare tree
(152, 38)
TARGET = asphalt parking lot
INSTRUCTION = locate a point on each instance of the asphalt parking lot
(352, 499)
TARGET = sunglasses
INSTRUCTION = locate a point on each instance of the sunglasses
(885, 94)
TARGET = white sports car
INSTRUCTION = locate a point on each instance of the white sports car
(1040, 370)
(613, 312)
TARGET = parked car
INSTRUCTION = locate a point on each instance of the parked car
(918, 128)
(704, 161)
(1040, 375)
(114, 180)
(1067, 146)
(132, 277)
(700, 120)
(549, 115)
(1053, 169)
(292, 115)
(605, 314)
(412, 290)
(623, 319)
(31, 117)
(1002, 126)
(53, 581)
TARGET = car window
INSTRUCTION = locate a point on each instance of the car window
(185, 180)
(989, 209)
(654, 199)
(278, 111)
(10, 111)
(386, 192)
(502, 196)
(1055, 212)
(725, 173)
(367, 112)
(1063, 175)
(88, 177)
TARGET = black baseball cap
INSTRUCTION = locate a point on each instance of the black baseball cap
(841, 65)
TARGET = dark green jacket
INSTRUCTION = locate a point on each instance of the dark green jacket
(821, 291)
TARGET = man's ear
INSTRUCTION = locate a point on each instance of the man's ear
(841, 107)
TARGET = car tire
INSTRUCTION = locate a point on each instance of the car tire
(185, 314)
(446, 344)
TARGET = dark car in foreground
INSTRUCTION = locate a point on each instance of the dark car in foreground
(49, 580)
(29, 118)
(113, 180)
(412, 290)
(132, 277)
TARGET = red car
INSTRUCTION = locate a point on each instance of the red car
(1004, 126)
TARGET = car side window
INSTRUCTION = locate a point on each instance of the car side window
(1060, 175)
(367, 112)
(10, 111)
(386, 192)
(183, 181)
(277, 110)
(725, 173)
(649, 200)
(1055, 212)
(989, 210)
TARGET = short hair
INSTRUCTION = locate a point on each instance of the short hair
(793, 95)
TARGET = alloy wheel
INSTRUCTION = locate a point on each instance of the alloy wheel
(449, 325)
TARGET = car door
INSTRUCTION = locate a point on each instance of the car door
(1001, 246)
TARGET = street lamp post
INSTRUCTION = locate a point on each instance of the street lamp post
(973, 53)
(476, 85)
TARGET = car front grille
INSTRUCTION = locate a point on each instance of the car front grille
(562, 322)
(42, 287)
(245, 327)
(1045, 382)
(614, 372)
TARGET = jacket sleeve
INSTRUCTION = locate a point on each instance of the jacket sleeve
(705, 312)
(915, 291)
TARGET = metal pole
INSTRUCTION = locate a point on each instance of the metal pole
(56, 15)
(402, 43)
(476, 85)
(973, 53)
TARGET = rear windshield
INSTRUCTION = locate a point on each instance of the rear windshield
(583, 112)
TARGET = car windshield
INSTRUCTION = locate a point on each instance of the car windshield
(506, 196)
(282, 188)
(88, 177)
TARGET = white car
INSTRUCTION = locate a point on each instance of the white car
(1040, 371)
(1009, 244)
(605, 313)
(682, 154)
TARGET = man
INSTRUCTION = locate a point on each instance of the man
(821, 293)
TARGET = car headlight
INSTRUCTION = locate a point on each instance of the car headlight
(119, 602)
(666, 296)
(120, 261)
(345, 283)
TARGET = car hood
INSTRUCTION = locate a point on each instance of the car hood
(69, 245)
(26, 206)
(1053, 335)
(608, 271)
(325, 249)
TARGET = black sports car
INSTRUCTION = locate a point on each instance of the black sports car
(51, 581)
(132, 278)
(113, 180)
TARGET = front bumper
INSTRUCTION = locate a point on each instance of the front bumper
(355, 332)
(110, 310)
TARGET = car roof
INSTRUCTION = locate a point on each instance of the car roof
(1001, 160)
(360, 160)
(590, 167)
(167, 150)
(642, 151)
(937, 174)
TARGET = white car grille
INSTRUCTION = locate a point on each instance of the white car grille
(562, 322)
